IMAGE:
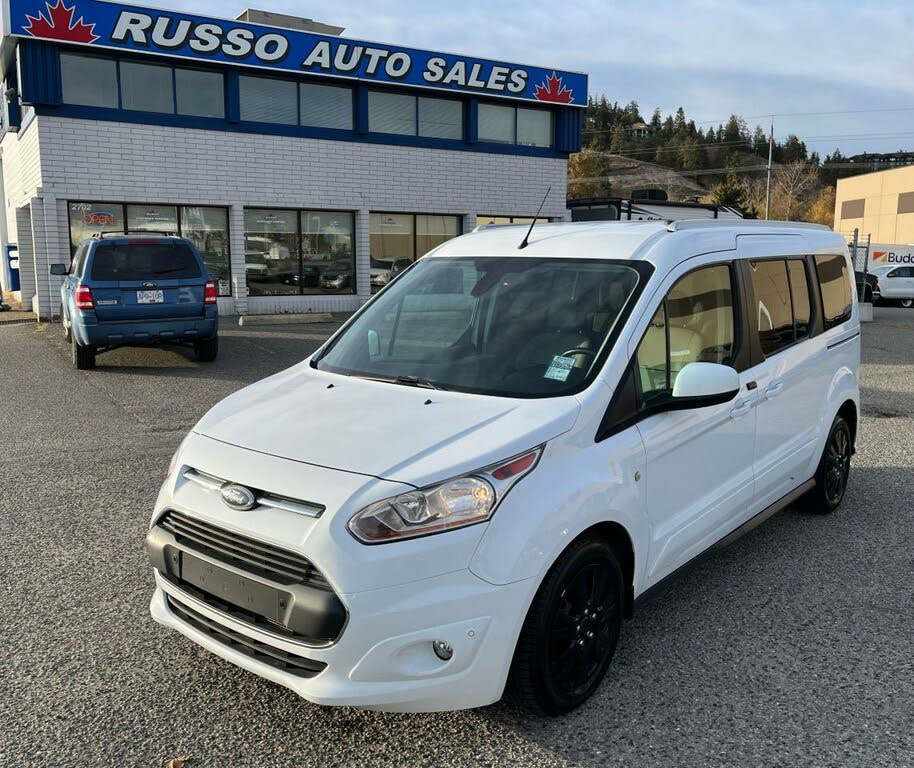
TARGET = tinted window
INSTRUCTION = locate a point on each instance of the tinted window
(391, 113)
(87, 219)
(146, 87)
(88, 80)
(207, 228)
(773, 315)
(440, 118)
(496, 123)
(799, 293)
(142, 261)
(694, 324)
(835, 284)
(325, 106)
(268, 101)
(534, 127)
(200, 93)
(271, 251)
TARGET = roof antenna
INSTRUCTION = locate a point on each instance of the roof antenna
(523, 243)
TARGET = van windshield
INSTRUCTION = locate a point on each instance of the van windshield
(510, 326)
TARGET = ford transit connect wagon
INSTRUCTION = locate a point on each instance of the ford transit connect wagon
(138, 289)
(472, 484)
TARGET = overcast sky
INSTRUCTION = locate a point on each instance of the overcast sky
(713, 57)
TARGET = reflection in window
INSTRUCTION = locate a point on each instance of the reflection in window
(392, 236)
(799, 294)
(271, 251)
(87, 219)
(207, 228)
(835, 284)
(328, 252)
(432, 231)
(88, 80)
(146, 87)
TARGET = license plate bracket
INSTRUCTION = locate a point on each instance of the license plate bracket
(238, 590)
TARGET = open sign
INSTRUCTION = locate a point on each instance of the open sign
(98, 219)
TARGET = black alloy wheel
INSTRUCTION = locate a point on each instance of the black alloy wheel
(834, 469)
(571, 630)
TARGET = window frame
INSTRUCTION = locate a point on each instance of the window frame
(620, 415)
(514, 143)
(827, 324)
(415, 235)
(178, 206)
(298, 245)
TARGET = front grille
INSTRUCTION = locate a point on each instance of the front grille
(276, 564)
(266, 654)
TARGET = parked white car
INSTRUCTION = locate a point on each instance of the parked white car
(895, 284)
(385, 270)
(476, 480)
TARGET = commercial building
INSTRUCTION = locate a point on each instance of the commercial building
(300, 162)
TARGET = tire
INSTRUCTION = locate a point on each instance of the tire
(906, 303)
(67, 333)
(83, 356)
(833, 471)
(207, 349)
(571, 630)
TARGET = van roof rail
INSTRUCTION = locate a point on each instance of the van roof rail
(682, 224)
(128, 232)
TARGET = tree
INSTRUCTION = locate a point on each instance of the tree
(822, 210)
(588, 174)
(793, 185)
(728, 192)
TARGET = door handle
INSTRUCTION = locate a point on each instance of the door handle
(774, 390)
(740, 410)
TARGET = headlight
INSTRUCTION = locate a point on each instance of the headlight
(452, 504)
(173, 464)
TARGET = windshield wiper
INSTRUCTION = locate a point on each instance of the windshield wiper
(416, 381)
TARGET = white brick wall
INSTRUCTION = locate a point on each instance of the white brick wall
(21, 178)
(96, 160)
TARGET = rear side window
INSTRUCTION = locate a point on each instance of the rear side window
(782, 308)
(799, 293)
(835, 284)
(144, 261)
(694, 324)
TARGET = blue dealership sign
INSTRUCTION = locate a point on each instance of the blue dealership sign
(171, 33)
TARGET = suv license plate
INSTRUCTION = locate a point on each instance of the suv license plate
(150, 297)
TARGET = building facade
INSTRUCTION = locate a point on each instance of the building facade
(307, 167)
(879, 205)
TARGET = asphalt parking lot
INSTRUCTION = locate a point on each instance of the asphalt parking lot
(793, 647)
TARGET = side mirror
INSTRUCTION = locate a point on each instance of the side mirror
(59, 269)
(699, 385)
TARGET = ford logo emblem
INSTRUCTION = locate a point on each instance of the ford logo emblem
(238, 497)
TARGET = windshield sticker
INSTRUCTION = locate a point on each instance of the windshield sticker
(559, 369)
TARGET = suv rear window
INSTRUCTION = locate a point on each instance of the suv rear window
(142, 261)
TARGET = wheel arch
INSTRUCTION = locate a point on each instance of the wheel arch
(620, 542)
(848, 412)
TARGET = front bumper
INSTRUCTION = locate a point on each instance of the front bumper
(384, 657)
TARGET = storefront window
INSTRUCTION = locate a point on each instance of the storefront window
(207, 229)
(87, 219)
(328, 252)
(482, 219)
(431, 231)
(271, 251)
(152, 218)
(398, 239)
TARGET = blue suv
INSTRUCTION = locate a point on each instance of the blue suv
(122, 289)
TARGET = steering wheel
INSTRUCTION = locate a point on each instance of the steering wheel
(579, 351)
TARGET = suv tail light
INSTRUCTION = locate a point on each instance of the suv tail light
(84, 297)
(209, 293)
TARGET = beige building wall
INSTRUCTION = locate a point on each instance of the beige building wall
(879, 204)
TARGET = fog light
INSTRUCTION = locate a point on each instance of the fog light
(442, 650)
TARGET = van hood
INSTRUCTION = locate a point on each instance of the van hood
(408, 434)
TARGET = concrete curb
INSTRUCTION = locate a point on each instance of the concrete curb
(285, 319)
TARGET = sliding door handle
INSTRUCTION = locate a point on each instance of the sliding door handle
(774, 390)
(741, 410)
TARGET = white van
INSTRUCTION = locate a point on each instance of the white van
(471, 485)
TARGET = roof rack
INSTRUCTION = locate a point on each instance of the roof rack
(680, 224)
(128, 232)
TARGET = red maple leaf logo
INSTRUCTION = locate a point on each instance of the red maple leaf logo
(59, 25)
(553, 90)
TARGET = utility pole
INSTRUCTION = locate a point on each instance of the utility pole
(770, 156)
